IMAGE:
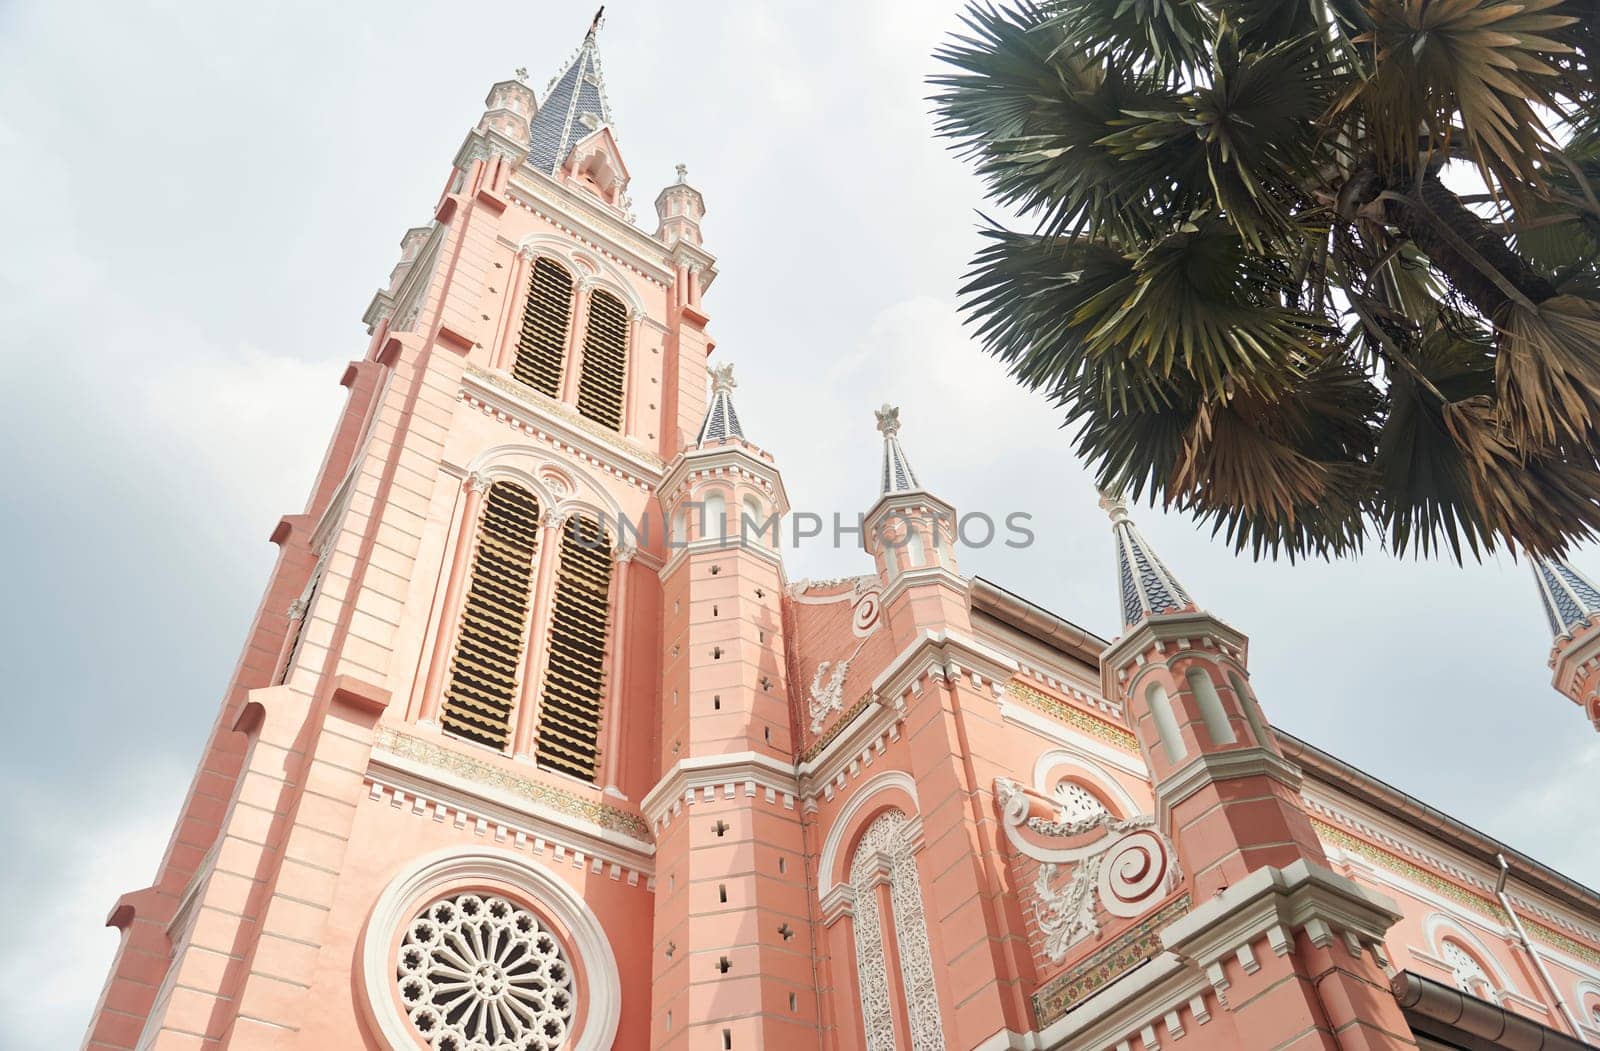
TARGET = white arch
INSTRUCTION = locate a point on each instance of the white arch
(1091, 771)
(1440, 926)
(427, 875)
(601, 272)
(831, 846)
(505, 461)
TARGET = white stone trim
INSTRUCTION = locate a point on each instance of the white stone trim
(693, 779)
(873, 786)
(600, 997)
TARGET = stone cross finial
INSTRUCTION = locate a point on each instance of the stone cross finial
(1115, 506)
(722, 378)
(888, 420)
(683, 173)
(521, 74)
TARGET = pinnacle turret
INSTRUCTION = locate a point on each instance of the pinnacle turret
(1568, 597)
(898, 477)
(721, 422)
(1147, 588)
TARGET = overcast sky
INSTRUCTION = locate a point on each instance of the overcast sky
(199, 205)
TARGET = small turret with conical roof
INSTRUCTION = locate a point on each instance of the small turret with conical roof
(1572, 605)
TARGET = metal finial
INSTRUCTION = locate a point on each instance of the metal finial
(888, 420)
(683, 173)
(722, 378)
(598, 15)
(521, 74)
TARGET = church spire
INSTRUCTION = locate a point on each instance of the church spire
(1146, 586)
(1569, 598)
(898, 477)
(574, 106)
(721, 422)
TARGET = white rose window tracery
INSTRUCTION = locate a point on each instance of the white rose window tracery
(478, 973)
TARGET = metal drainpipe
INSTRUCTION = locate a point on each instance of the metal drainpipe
(1527, 946)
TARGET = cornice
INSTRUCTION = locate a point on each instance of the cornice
(935, 574)
(552, 422)
(741, 458)
(718, 545)
(690, 778)
(1185, 629)
(1229, 765)
(402, 756)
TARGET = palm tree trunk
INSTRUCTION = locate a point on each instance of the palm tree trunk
(1478, 262)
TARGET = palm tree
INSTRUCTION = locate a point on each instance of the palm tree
(1310, 269)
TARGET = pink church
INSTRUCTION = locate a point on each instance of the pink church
(533, 743)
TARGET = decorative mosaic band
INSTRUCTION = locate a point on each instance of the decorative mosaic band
(1074, 717)
(480, 772)
(835, 730)
(1448, 889)
(1128, 950)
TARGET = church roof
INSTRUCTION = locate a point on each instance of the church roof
(1145, 585)
(898, 477)
(574, 108)
(721, 422)
(1569, 598)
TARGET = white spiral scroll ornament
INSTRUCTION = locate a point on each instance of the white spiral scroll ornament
(1135, 869)
(864, 618)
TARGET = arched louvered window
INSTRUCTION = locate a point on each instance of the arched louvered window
(605, 360)
(494, 619)
(574, 682)
(542, 346)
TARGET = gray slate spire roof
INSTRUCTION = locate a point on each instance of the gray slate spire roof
(574, 107)
(721, 421)
(898, 477)
(1147, 587)
(1569, 598)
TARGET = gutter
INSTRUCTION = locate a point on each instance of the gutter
(1485, 849)
(1447, 1014)
(1527, 947)
(1036, 622)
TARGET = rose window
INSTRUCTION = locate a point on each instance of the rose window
(480, 974)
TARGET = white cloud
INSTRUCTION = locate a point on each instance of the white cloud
(84, 853)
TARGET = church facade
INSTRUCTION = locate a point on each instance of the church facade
(533, 744)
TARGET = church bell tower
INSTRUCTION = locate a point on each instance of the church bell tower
(417, 820)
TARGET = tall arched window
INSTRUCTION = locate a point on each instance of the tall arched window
(1218, 728)
(1252, 713)
(714, 516)
(916, 550)
(883, 877)
(1166, 723)
(542, 346)
(605, 360)
(574, 681)
(494, 619)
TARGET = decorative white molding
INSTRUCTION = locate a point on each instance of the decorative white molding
(829, 861)
(599, 997)
(701, 778)
(496, 394)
